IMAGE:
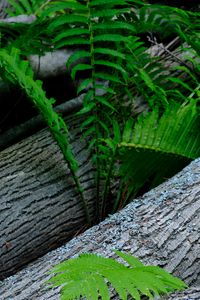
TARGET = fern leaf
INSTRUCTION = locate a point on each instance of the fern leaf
(84, 85)
(111, 65)
(110, 38)
(66, 19)
(17, 6)
(79, 67)
(76, 56)
(131, 260)
(88, 276)
(71, 32)
(107, 76)
(72, 42)
(111, 52)
(96, 3)
(56, 6)
(114, 25)
(158, 147)
(24, 7)
(109, 12)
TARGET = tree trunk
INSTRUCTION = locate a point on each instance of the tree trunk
(161, 228)
(40, 206)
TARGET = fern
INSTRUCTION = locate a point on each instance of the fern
(82, 28)
(18, 71)
(106, 34)
(24, 7)
(89, 275)
(154, 147)
(125, 63)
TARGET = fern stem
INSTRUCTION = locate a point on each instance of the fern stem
(107, 186)
(97, 161)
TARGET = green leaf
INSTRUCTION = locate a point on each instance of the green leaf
(128, 130)
(111, 52)
(95, 3)
(17, 6)
(147, 79)
(84, 85)
(72, 42)
(114, 25)
(131, 260)
(107, 76)
(109, 12)
(79, 67)
(88, 121)
(87, 108)
(110, 38)
(66, 19)
(117, 132)
(105, 102)
(181, 82)
(104, 126)
(89, 274)
(76, 56)
(71, 32)
(110, 64)
(157, 147)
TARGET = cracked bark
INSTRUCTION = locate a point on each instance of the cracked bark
(40, 206)
(161, 228)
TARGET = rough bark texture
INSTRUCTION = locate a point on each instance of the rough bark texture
(161, 228)
(39, 204)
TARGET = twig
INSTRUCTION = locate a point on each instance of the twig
(165, 49)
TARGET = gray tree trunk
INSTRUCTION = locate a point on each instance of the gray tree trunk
(161, 228)
(39, 205)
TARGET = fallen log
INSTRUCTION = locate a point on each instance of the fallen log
(161, 228)
(24, 130)
(40, 206)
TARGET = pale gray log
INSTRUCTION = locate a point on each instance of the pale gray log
(161, 228)
(20, 19)
(39, 205)
(17, 133)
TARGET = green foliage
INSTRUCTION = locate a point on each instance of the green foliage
(89, 276)
(133, 149)
(24, 7)
(137, 151)
(155, 147)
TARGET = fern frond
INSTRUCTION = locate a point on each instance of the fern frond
(159, 18)
(156, 147)
(89, 275)
(24, 7)
(19, 72)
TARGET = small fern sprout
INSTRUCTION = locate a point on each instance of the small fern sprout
(89, 276)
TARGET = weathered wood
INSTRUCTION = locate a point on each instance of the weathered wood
(161, 228)
(39, 205)
(24, 130)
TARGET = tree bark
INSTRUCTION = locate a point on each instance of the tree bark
(161, 228)
(40, 206)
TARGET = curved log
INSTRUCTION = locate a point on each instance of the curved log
(33, 125)
(39, 204)
(161, 228)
